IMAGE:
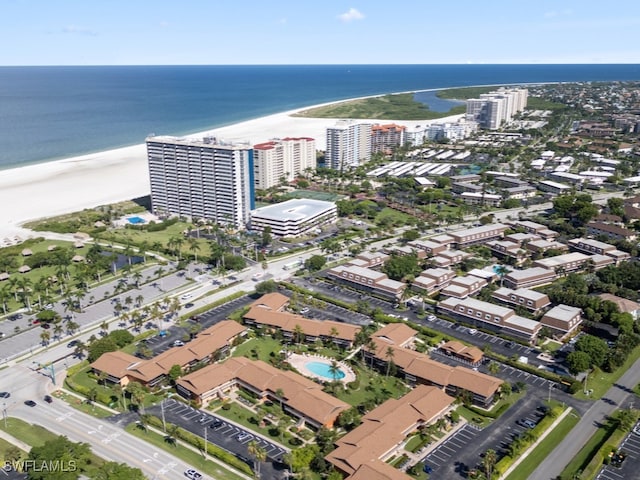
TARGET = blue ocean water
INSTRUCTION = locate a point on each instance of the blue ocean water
(48, 113)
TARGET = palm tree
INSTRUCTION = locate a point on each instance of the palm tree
(280, 394)
(104, 327)
(194, 247)
(372, 347)
(172, 431)
(45, 336)
(389, 354)
(334, 370)
(259, 455)
(501, 271)
(298, 334)
(57, 329)
(489, 461)
(5, 296)
(333, 333)
(139, 300)
(80, 349)
(137, 276)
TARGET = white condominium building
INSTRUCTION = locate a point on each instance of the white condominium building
(494, 109)
(348, 145)
(204, 179)
(282, 159)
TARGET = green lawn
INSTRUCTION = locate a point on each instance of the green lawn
(473, 417)
(94, 409)
(183, 453)
(263, 347)
(5, 446)
(35, 435)
(600, 382)
(247, 418)
(529, 464)
(584, 456)
(393, 217)
(379, 386)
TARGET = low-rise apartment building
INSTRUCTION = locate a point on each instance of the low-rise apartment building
(300, 397)
(369, 259)
(433, 280)
(612, 231)
(448, 258)
(508, 249)
(562, 320)
(463, 287)
(376, 283)
(430, 247)
(480, 198)
(554, 188)
(477, 235)
(529, 277)
(493, 317)
(574, 261)
(209, 345)
(535, 228)
(383, 433)
(470, 355)
(541, 246)
(587, 245)
(522, 297)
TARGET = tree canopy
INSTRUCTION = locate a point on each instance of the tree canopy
(118, 471)
(400, 266)
(64, 459)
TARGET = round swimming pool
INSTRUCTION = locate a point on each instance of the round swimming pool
(324, 370)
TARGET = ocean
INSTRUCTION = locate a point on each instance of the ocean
(49, 113)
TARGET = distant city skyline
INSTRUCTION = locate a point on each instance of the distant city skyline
(201, 32)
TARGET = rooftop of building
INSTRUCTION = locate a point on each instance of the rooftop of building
(295, 209)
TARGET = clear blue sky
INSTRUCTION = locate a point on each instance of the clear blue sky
(132, 32)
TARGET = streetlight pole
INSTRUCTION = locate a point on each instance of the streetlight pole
(164, 424)
(550, 386)
(4, 414)
(205, 441)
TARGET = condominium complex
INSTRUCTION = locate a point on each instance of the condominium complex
(494, 109)
(282, 159)
(386, 138)
(348, 145)
(205, 179)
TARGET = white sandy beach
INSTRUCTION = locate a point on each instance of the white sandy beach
(63, 186)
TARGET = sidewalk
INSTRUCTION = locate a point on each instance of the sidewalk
(14, 441)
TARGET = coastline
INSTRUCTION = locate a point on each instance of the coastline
(63, 186)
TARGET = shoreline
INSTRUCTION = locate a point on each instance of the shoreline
(57, 187)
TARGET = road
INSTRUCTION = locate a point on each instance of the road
(619, 394)
(108, 441)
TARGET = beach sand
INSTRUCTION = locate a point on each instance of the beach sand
(73, 184)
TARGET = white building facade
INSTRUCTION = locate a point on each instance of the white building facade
(494, 109)
(201, 179)
(348, 145)
(294, 217)
(282, 159)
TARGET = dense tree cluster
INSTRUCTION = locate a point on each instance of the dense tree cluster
(400, 266)
(578, 208)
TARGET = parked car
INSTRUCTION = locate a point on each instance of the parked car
(243, 436)
(304, 310)
(178, 343)
(431, 318)
(216, 423)
(472, 331)
(526, 423)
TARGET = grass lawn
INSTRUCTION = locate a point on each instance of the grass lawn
(125, 236)
(379, 386)
(529, 464)
(263, 347)
(36, 436)
(600, 381)
(584, 456)
(473, 417)
(189, 456)
(94, 409)
(394, 217)
(5, 446)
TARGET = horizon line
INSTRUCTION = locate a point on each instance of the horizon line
(466, 64)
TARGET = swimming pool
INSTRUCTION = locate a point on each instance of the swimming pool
(135, 220)
(324, 370)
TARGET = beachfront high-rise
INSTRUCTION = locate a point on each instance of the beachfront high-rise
(348, 145)
(282, 159)
(201, 179)
(496, 108)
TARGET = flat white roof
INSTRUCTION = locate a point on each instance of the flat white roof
(296, 209)
(563, 312)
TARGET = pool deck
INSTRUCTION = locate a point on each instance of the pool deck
(299, 362)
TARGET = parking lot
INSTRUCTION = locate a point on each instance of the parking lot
(159, 344)
(630, 446)
(462, 451)
(219, 431)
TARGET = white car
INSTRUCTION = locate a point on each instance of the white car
(431, 318)
(178, 343)
(192, 474)
(186, 296)
(472, 331)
